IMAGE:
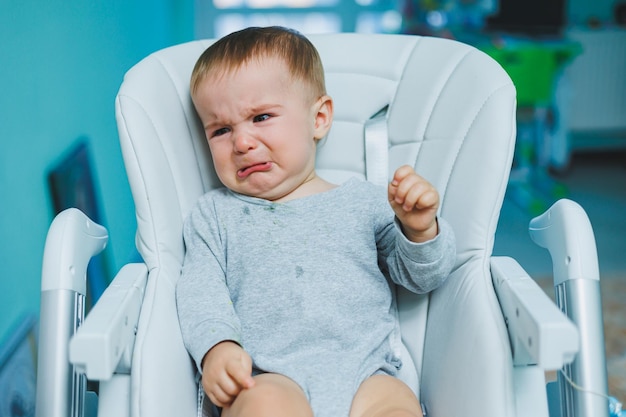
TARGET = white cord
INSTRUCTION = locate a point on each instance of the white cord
(581, 389)
(615, 406)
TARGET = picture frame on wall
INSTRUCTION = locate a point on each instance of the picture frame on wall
(18, 369)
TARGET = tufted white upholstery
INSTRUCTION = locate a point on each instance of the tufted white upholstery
(451, 115)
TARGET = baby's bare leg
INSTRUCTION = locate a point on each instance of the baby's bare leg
(273, 395)
(385, 396)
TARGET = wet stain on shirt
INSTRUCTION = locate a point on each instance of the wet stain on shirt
(299, 271)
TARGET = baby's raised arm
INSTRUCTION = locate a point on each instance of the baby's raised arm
(415, 202)
(226, 371)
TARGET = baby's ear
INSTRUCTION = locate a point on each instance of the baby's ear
(323, 116)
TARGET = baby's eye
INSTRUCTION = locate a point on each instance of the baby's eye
(261, 118)
(220, 132)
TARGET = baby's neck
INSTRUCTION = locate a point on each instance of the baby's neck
(313, 186)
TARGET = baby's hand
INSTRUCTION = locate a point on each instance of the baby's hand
(415, 202)
(226, 370)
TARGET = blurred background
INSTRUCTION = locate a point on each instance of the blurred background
(62, 61)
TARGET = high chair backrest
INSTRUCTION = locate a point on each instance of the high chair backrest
(444, 107)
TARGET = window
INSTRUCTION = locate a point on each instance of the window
(216, 18)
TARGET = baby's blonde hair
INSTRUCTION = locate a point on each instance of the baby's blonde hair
(234, 50)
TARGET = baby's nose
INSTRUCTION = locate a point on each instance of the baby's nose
(243, 142)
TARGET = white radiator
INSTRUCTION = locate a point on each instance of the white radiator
(597, 79)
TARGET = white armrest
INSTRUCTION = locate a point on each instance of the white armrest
(109, 330)
(540, 333)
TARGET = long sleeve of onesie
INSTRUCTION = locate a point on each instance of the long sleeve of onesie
(205, 310)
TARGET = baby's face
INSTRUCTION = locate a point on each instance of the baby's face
(261, 126)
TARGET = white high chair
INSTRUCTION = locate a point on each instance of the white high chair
(480, 344)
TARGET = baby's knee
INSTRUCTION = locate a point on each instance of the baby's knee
(272, 396)
(403, 413)
(385, 396)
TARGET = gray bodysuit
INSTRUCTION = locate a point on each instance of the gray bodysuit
(303, 285)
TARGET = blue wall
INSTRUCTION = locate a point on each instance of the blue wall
(581, 11)
(61, 63)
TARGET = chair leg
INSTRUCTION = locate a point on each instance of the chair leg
(71, 242)
(566, 232)
(584, 382)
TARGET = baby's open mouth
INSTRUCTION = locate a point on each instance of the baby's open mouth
(261, 167)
